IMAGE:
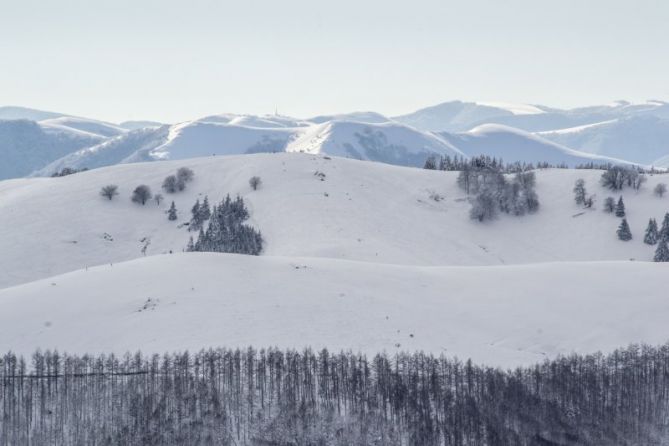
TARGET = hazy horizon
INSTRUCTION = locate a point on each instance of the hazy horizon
(168, 61)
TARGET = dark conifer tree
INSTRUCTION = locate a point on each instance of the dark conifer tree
(662, 252)
(196, 219)
(624, 232)
(172, 212)
(205, 211)
(664, 231)
(620, 208)
(650, 238)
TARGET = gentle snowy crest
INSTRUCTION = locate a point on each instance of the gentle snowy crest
(503, 316)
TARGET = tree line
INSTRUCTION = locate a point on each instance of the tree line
(285, 397)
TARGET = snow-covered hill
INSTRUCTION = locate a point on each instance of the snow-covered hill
(91, 126)
(642, 139)
(356, 210)
(460, 116)
(502, 315)
(517, 145)
(12, 113)
(388, 142)
(26, 145)
(242, 134)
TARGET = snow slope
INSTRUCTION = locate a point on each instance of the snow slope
(241, 134)
(132, 145)
(454, 116)
(503, 315)
(641, 139)
(26, 145)
(389, 142)
(460, 116)
(12, 112)
(91, 126)
(362, 211)
(517, 145)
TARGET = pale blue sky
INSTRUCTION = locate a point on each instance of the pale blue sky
(174, 60)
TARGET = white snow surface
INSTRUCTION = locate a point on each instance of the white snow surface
(91, 126)
(362, 211)
(516, 109)
(367, 256)
(511, 144)
(502, 315)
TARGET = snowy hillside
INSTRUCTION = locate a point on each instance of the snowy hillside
(99, 128)
(26, 145)
(642, 139)
(11, 113)
(132, 144)
(356, 210)
(242, 134)
(196, 300)
(389, 142)
(460, 116)
(517, 145)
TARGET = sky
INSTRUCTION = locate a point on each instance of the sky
(173, 60)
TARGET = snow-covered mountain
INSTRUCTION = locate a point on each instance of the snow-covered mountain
(617, 132)
(27, 145)
(228, 134)
(387, 142)
(642, 139)
(388, 253)
(92, 126)
(135, 125)
(460, 116)
(512, 144)
(31, 114)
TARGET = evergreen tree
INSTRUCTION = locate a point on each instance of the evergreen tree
(662, 252)
(226, 231)
(195, 222)
(651, 233)
(430, 163)
(205, 211)
(191, 245)
(620, 208)
(664, 232)
(579, 191)
(172, 212)
(624, 232)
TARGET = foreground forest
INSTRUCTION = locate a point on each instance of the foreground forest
(274, 397)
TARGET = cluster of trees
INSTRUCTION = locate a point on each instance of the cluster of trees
(226, 231)
(142, 193)
(618, 177)
(200, 214)
(177, 183)
(495, 193)
(276, 397)
(659, 237)
(457, 163)
(581, 194)
(65, 171)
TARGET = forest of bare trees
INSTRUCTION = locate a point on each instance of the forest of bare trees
(275, 397)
